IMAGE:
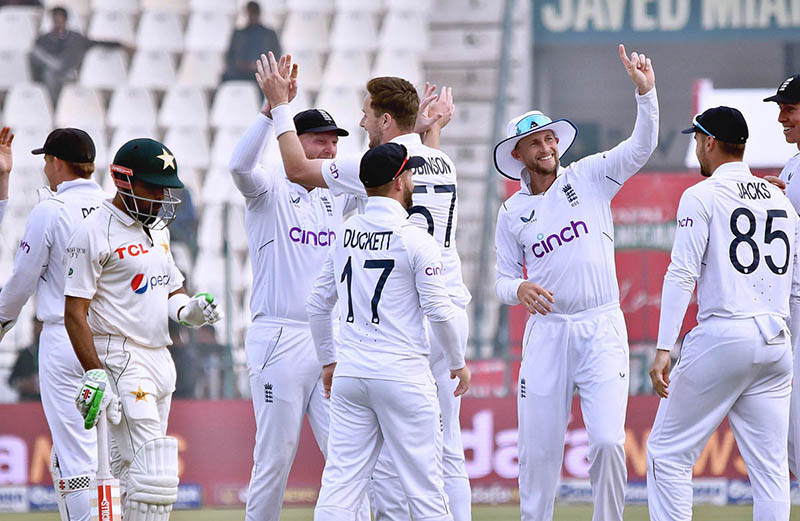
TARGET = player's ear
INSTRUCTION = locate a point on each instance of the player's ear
(515, 154)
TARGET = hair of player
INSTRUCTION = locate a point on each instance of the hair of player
(396, 97)
(84, 170)
(732, 149)
(383, 190)
(253, 7)
(59, 10)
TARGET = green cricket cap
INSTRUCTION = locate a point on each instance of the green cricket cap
(149, 161)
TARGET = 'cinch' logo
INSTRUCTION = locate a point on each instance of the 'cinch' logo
(552, 241)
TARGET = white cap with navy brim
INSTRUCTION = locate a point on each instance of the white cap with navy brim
(524, 125)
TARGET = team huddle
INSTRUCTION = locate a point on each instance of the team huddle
(359, 317)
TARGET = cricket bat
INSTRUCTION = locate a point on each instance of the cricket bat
(105, 503)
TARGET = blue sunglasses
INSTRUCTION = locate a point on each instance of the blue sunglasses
(529, 123)
(697, 124)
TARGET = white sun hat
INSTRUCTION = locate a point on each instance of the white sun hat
(524, 125)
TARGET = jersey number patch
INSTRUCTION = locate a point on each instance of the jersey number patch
(387, 265)
(747, 235)
(438, 189)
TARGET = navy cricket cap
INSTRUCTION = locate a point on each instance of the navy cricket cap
(722, 123)
(316, 120)
(384, 163)
(788, 92)
(68, 144)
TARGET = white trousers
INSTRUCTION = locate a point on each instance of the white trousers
(794, 417)
(587, 351)
(59, 378)
(725, 369)
(366, 415)
(286, 384)
(386, 493)
(144, 380)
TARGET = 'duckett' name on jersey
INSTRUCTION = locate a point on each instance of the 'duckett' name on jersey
(435, 202)
(564, 237)
(739, 236)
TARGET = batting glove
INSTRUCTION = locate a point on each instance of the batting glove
(95, 396)
(199, 311)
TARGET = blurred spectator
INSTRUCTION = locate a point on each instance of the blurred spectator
(199, 361)
(186, 365)
(248, 44)
(57, 55)
(24, 377)
(184, 228)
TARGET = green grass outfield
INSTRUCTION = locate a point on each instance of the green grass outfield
(479, 513)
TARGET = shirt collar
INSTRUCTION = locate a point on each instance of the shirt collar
(525, 181)
(732, 168)
(126, 219)
(407, 139)
(66, 185)
(386, 206)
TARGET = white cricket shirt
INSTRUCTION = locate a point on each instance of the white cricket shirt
(791, 168)
(3, 205)
(435, 202)
(386, 274)
(737, 237)
(39, 264)
(289, 229)
(127, 275)
(565, 236)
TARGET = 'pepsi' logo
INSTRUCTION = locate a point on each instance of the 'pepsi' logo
(139, 284)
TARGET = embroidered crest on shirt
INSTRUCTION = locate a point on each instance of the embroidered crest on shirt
(569, 192)
(268, 393)
(328, 205)
(522, 388)
(529, 218)
(140, 394)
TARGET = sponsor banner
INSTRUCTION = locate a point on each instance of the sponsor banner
(215, 454)
(14, 499)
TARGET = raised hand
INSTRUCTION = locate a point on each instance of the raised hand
(276, 79)
(443, 105)
(6, 137)
(639, 68)
(425, 120)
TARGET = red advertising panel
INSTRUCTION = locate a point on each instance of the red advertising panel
(216, 444)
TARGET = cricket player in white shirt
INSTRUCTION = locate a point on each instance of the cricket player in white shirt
(558, 227)
(122, 286)
(788, 99)
(392, 112)
(290, 229)
(39, 268)
(6, 137)
(386, 275)
(737, 238)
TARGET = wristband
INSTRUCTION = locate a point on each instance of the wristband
(175, 303)
(282, 117)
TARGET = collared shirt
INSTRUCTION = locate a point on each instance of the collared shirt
(435, 202)
(791, 169)
(289, 229)
(737, 236)
(39, 264)
(564, 236)
(127, 274)
(385, 274)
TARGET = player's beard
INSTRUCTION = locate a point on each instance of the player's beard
(408, 192)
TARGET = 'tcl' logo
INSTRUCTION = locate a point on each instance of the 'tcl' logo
(132, 249)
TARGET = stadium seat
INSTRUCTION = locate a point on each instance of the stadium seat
(104, 68)
(218, 188)
(25, 140)
(404, 30)
(363, 6)
(235, 104)
(305, 30)
(215, 6)
(464, 45)
(310, 62)
(400, 63)
(132, 107)
(28, 106)
(222, 147)
(352, 145)
(79, 106)
(354, 30)
(208, 31)
(112, 26)
(344, 105)
(311, 6)
(14, 65)
(32, 12)
(129, 7)
(468, 11)
(201, 69)
(302, 101)
(184, 105)
(469, 121)
(175, 6)
(125, 133)
(152, 70)
(17, 31)
(190, 146)
(346, 68)
(160, 30)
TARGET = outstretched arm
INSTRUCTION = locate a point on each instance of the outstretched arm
(6, 137)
